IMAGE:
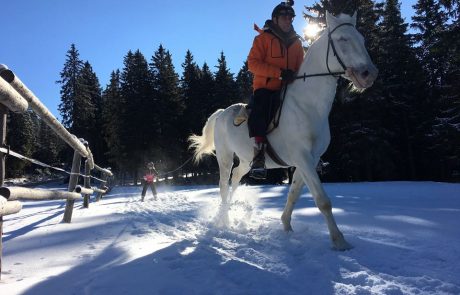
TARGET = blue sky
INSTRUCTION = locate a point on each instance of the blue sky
(37, 34)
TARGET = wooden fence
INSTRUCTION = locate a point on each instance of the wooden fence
(16, 97)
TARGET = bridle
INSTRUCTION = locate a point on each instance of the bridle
(330, 44)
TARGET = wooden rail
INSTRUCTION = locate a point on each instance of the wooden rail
(40, 109)
(35, 194)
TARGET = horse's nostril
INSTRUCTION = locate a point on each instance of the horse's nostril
(365, 74)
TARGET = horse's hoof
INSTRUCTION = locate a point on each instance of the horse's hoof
(286, 223)
(342, 245)
(287, 228)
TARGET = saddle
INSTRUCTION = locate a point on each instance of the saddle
(245, 111)
(242, 115)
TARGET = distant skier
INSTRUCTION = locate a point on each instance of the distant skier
(149, 177)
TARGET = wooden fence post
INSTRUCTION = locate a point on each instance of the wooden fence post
(73, 181)
(3, 115)
(86, 184)
(103, 184)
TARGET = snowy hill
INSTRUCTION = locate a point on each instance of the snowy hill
(406, 238)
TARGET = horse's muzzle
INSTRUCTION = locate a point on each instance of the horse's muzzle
(362, 77)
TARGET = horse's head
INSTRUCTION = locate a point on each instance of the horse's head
(346, 51)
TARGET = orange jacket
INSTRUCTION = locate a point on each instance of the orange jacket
(268, 56)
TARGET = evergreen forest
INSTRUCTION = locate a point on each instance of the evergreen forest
(405, 127)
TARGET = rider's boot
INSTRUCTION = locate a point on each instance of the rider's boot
(258, 170)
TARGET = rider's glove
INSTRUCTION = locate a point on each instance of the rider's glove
(287, 75)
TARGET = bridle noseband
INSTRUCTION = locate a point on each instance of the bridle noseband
(330, 44)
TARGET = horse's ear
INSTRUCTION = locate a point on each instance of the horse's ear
(353, 18)
(330, 19)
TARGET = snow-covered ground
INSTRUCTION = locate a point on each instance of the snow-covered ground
(406, 238)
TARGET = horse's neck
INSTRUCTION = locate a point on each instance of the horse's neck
(315, 92)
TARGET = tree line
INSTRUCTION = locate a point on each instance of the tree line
(405, 127)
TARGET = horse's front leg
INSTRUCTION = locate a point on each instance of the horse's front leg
(293, 196)
(322, 201)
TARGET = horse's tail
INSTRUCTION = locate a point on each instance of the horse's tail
(204, 144)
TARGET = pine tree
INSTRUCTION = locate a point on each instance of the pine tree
(79, 92)
(317, 12)
(70, 85)
(137, 116)
(111, 123)
(190, 89)
(20, 138)
(430, 23)
(404, 84)
(169, 107)
(451, 91)
(193, 102)
(90, 105)
(370, 148)
(207, 92)
(453, 7)
(225, 92)
(443, 46)
(49, 145)
(244, 83)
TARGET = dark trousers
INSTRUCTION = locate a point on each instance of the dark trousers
(152, 187)
(263, 108)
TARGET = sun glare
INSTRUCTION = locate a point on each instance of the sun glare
(311, 31)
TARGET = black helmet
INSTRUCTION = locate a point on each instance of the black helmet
(284, 8)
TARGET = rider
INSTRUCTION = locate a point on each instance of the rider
(274, 59)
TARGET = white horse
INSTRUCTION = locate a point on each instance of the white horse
(303, 132)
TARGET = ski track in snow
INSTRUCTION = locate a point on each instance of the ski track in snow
(181, 244)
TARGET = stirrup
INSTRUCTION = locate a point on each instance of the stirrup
(258, 173)
(258, 169)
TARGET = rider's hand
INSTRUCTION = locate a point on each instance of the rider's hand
(287, 75)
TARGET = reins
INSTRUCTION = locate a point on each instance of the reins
(330, 44)
(277, 116)
(305, 76)
(172, 171)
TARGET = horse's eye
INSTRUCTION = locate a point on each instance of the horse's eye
(342, 39)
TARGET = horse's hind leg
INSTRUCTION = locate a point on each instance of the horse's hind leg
(238, 173)
(293, 196)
